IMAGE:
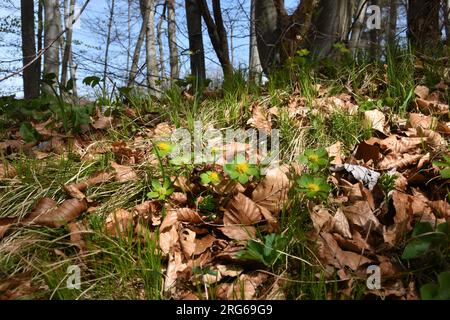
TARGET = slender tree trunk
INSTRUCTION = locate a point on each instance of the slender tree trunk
(392, 33)
(162, 67)
(173, 48)
(150, 48)
(40, 37)
(69, 13)
(30, 73)
(129, 35)
(423, 23)
(139, 43)
(255, 69)
(217, 34)
(196, 50)
(358, 25)
(374, 51)
(51, 30)
(108, 42)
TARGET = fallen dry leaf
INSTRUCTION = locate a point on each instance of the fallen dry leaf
(377, 121)
(332, 254)
(45, 214)
(124, 173)
(119, 223)
(240, 214)
(260, 120)
(7, 171)
(422, 92)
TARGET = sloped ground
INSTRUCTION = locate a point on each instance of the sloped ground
(354, 189)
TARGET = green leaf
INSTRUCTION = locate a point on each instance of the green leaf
(445, 173)
(91, 81)
(416, 248)
(429, 291)
(153, 195)
(156, 185)
(29, 133)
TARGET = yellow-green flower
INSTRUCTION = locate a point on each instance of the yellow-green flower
(163, 148)
(241, 170)
(315, 159)
(313, 187)
(210, 177)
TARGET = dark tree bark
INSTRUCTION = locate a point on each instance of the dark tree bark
(330, 25)
(217, 34)
(423, 23)
(196, 49)
(30, 73)
(173, 48)
(280, 35)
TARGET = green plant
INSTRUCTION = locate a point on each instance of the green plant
(441, 291)
(160, 192)
(29, 133)
(241, 170)
(315, 160)
(426, 239)
(266, 252)
(210, 177)
(163, 148)
(313, 187)
(444, 165)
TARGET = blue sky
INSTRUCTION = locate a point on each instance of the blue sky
(89, 42)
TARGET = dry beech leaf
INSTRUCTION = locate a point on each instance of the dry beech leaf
(360, 214)
(441, 208)
(241, 212)
(432, 107)
(260, 120)
(271, 193)
(119, 223)
(332, 254)
(377, 120)
(170, 219)
(124, 173)
(76, 230)
(188, 215)
(7, 171)
(102, 122)
(321, 218)
(356, 243)
(169, 238)
(397, 161)
(203, 244)
(340, 224)
(396, 144)
(422, 92)
(335, 152)
(243, 288)
(178, 198)
(175, 266)
(187, 241)
(67, 211)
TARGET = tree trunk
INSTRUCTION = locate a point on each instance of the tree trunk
(129, 34)
(150, 48)
(358, 25)
(254, 64)
(30, 73)
(162, 67)
(173, 48)
(69, 13)
(51, 56)
(423, 23)
(139, 43)
(374, 52)
(217, 34)
(108, 42)
(40, 37)
(279, 35)
(196, 50)
(329, 26)
(392, 33)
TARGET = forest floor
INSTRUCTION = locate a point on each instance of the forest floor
(361, 191)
